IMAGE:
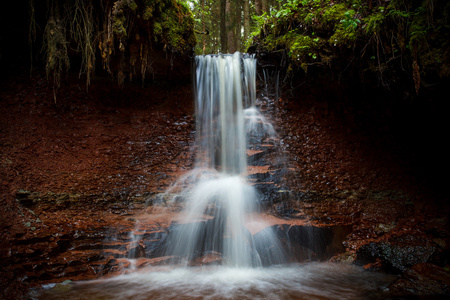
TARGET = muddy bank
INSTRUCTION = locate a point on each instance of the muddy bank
(87, 155)
(371, 158)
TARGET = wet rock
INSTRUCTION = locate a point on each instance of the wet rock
(256, 155)
(53, 202)
(345, 258)
(269, 188)
(397, 254)
(384, 228)
(267, 194)
(206, 233)
(308, 242)
(136, 250)
(423, 279)
(285, 208)
(154, 243)
(211, 258)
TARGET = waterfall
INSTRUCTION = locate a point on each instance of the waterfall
(220, 224)
(219, 108)
(219, 204)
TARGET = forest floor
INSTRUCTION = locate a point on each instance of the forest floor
(89, 161)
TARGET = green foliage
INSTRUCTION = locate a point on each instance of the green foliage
(347, 30)
(304, 28)
(207, 25)
(171, 27)
(349, 21)
(119, 25)
(166, 25)
(169, 22)
(119, 9)
(383, 34)
(374, 21)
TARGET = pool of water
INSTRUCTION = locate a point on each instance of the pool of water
(304, 281)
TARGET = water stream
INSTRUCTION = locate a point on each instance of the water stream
(221, 202)
(219, 205)
(312, 281)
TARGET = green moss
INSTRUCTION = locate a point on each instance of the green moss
(382, 36)
(132, 5)
(333, 15)
(157, 29)
(148, 13)
(119, 19)
(175, 27)
(374, 22)
(320, 25)
(170, 23)
(303, 46)
(143, 27)
(118, 25)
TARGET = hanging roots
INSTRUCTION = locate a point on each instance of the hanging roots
(55, 48)
(82, 28)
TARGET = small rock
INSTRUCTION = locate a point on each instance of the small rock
(440, 242)
(384, 228)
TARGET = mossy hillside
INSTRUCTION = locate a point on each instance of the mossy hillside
(378, 37)
(127, 35)
(169, 24)
(144, 27)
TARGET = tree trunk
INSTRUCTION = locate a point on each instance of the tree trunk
(264, 6)
(203, 28)
(258, 7)
(214, 27)
(223, 26)
(246, 19)
(231, 39)
(238, 24)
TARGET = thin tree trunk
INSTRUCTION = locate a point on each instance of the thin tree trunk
(231, 39)
(215, 29)
(238, 26)
(203, 28)
(223, 26)
(258, 7)
(246, 19)
(264, 6)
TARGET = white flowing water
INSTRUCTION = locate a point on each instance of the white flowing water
(219, 203)
(221, 136)
(313, 281)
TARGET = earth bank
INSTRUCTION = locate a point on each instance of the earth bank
(77, 176)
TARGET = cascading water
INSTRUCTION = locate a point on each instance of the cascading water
(219, 109)
(220, 203)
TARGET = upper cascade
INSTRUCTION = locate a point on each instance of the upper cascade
(225, 85)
